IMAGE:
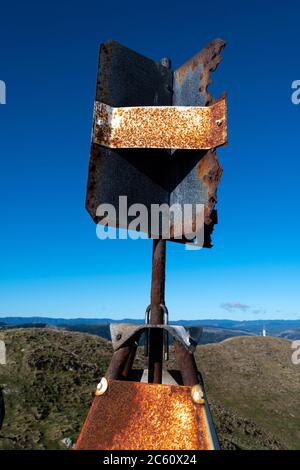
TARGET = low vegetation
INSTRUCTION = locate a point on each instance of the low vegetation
(50, 378)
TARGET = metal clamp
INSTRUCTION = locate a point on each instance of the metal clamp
(174, 127)
(166, 335)
(121, 333)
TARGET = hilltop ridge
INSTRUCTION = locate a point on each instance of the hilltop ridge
(50, 378)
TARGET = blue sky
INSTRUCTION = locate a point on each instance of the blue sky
(51, 262)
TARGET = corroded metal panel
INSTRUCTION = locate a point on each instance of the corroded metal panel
(175, 127)
(191, 79)
(126, 78)
(154, 176)
(139, 416)
(196, 175)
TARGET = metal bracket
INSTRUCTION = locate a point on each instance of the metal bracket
(171, 127)
(122, 332)
(166, 336)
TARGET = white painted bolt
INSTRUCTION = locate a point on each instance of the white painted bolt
(102, 386)
(197, 394)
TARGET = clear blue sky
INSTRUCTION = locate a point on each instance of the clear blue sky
(51, 260)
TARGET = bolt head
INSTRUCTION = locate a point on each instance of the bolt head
(102, 386)
(197, 394)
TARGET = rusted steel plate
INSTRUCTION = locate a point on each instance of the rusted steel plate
(191, 79)
(139, 416)
(192, 127)
(154, 176)
(201, 169)
(126, 78)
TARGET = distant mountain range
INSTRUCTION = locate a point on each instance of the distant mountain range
(213, 330)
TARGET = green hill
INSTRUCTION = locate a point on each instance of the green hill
(51, 375)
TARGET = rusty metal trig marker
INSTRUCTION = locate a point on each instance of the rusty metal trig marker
(154, 137)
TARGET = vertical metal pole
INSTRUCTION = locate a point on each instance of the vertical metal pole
(157, 313)
(156, 336)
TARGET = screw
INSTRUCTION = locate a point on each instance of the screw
(118, 337)
(197, 394)
(219, 122)
(165, 62)
(100, 123)
(102, 386)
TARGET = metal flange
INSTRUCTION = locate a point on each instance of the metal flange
(174, 127)
(122, 332)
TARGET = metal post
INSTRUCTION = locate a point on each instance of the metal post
(118, 363)
(157, 312)
(129, 361)
(156, 337)
(187, 365)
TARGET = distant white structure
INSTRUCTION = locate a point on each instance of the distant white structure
(264, 331)
(2, 92)
(2, 353)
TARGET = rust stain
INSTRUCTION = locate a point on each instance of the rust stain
(210, 172)
(208, 59)
(161, 126)
(106, 50)
(139, 416)
(93, 176)
(211, 57)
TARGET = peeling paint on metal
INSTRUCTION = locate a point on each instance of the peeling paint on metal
(191, 80)
(210, 172)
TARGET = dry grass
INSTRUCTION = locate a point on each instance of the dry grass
(50, 379)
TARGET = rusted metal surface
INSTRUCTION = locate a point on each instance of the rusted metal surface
(201, 169)
(119, 362)
(169, 127)
(138, 416)
(139, 104)
(158, 282)
(187, 364)
(154, 176)
(155, 357)
(210, 172)
(129, 362)
(122, 332)
(191, 80)
(126, 78)
(156, 336)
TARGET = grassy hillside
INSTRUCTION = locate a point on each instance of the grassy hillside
(48, 384)
(50, 379)
(254, 378)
